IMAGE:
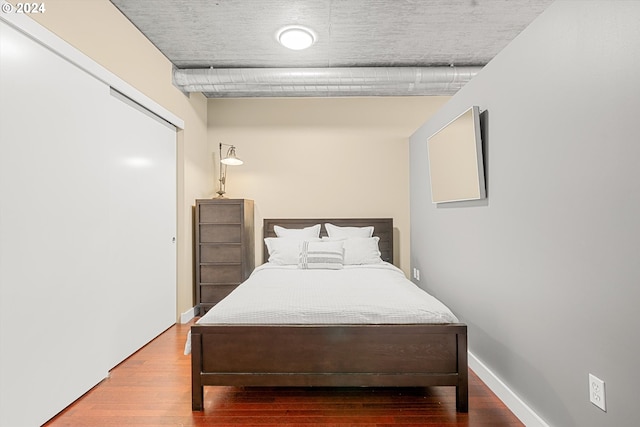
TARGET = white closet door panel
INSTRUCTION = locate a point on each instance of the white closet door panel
(52, 231)
(142, 200)
(87, 217)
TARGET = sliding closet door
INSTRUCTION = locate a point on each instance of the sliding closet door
(142, 224)
(87, 219)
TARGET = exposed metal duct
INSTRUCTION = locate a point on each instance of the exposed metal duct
(323, 82)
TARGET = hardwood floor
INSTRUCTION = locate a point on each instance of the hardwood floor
(152, 388)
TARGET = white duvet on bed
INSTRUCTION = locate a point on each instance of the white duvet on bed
(359, 294)
(373, 293)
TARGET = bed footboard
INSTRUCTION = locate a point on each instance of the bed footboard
(329, 356)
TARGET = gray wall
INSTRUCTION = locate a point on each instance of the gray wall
(546, 271)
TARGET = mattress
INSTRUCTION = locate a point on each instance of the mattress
(358, 294)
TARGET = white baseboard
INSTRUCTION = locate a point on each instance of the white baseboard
(188, 315)
(504, 393)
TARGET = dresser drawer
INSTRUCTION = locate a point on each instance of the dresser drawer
(223, 253)
(220, 213)
(220, 233)
(212, 294)
(231, 274)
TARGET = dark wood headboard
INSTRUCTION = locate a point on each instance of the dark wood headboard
(382, 227)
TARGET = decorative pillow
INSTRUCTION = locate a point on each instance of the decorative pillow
(327, 255)
(359, 250)
(299, 233)
(335, 231)
(283, 250)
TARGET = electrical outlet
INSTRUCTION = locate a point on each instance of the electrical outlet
(417, 275)
(596, 392)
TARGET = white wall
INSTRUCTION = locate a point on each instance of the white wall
(546, 271)
(322, 157)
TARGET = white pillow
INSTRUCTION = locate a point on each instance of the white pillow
(300, 233)
(328, 255)
(283, 250)
(335, 231)
(359, 250)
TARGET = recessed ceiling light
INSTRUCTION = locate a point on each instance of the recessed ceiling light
(296, 37)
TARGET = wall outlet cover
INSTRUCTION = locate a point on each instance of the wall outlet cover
(596, 392)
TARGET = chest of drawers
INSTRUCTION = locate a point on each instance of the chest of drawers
(224, 248)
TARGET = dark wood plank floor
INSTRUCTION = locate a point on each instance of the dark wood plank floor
(152, 388)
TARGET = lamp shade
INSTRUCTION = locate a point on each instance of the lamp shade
(231, 159)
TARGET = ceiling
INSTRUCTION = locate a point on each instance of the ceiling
(405, 45)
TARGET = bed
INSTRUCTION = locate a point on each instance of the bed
(320, 354)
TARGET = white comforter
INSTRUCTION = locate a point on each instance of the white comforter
(362, 294)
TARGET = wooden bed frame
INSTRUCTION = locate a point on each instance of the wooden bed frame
(413, 355)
